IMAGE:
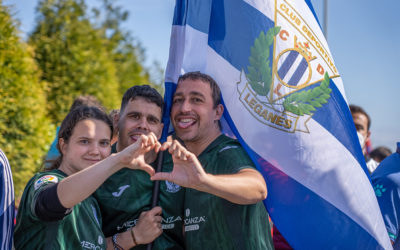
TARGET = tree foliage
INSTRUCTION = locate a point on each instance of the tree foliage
(25, 130)
(69, 53)
(126, 51)
(72, 56)
(82, 54)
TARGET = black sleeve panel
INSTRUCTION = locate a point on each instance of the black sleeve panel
(48, 206)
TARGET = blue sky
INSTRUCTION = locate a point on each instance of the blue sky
(363, 36)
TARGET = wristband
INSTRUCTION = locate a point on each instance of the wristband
(133, 237)
(115, 244)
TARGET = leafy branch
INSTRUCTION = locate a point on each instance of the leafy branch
(305, 102)
(260, 73)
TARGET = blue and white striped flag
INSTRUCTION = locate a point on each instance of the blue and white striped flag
(6, 203)
(285, 102)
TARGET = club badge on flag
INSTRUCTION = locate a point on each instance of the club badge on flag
(282, 97)
(284, 101)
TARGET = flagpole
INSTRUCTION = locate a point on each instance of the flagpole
(156, 189)
(326, 19)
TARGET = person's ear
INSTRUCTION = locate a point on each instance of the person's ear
(161, 130)
(62, 145)
(219, 111)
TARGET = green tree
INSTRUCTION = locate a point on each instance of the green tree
(72, 57)
(157, 76)
(127, 52)
(25, 131)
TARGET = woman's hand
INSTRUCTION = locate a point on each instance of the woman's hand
(133, 155)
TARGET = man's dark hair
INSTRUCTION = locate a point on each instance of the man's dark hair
(113, 114)
(145, 91)
(215, 90)
(380, 153)
(357, 109)
(86, 100)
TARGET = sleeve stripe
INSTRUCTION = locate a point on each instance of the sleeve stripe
(7, 204)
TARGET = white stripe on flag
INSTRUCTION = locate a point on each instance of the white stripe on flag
(262, 7)
(183, 46)
(176, 50)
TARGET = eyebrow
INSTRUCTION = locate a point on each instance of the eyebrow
(89, 139)
(83, 137)
(153, 117)
(191, 93)
(134, 113)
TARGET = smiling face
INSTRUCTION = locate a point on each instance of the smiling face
(193, 115)
(140, 116)
(89, 143)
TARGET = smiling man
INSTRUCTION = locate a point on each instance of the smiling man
(223, 206)
(126, 194)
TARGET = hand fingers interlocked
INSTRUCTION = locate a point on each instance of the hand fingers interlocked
(149, 142)
(175, 149)
(133, 155)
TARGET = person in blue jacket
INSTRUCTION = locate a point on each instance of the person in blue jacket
(386, 183)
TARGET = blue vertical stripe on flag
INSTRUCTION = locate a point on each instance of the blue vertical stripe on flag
(287, 63)
(298, 74)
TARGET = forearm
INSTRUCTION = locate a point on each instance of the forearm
(79, 186)
(245, 187)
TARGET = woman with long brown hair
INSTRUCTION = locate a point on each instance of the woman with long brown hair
(57, 210)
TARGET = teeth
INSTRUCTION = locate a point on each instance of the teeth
(135, 136)
(186, 120)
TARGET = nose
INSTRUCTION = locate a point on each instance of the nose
(143, 124)
(185, 106)
(94, 149)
